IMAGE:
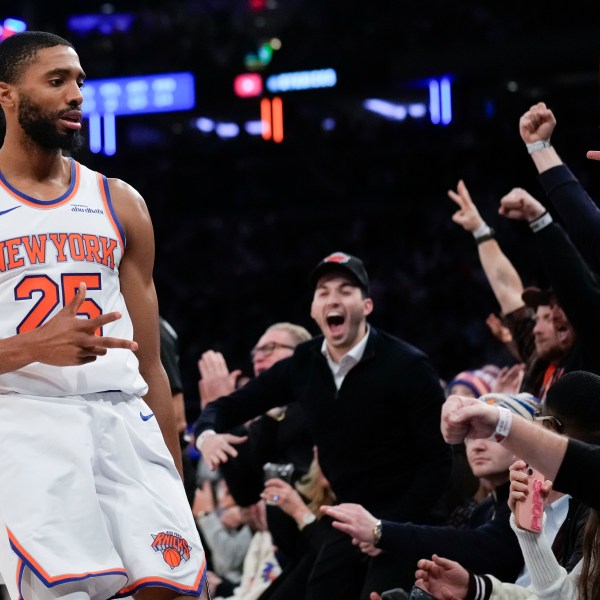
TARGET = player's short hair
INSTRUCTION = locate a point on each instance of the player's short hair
(18, 51)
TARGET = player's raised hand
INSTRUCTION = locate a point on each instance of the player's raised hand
(67, 340)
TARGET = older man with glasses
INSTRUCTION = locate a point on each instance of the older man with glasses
(279, 436)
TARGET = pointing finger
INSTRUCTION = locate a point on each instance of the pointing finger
(102, 320)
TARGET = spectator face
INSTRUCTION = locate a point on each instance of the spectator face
(548, 343)
(340, 310)
(271, 347)
(564, 330)
(489, 460)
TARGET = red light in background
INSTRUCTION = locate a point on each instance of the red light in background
(257, 4)
(248, 85)
(265, 117)
(277, 114)
(271, 115)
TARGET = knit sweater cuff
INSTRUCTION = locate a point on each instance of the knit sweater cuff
(546, 574)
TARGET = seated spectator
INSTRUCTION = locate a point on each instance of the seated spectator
(489, 544)
(466, 491)
(302, 503)
(225, 535)
(260, 568)
(562, 459)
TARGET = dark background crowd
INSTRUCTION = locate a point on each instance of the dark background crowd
(240, 222)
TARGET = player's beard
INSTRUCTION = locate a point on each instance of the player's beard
(40, 127)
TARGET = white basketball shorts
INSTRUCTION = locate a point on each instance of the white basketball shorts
(91, 500)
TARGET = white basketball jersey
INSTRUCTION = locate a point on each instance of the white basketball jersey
(46, 249)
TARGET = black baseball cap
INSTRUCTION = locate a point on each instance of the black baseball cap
(340, 261)
(534, 297)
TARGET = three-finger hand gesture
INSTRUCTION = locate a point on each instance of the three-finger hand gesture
(67, 339)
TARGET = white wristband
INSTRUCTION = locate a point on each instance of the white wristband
(483, 229)
(202, 437)
(541, 222)
(504, 424)
(540, 145)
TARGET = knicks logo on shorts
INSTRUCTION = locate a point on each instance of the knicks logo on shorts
(173, 547)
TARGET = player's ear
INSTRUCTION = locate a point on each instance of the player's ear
(7, 94)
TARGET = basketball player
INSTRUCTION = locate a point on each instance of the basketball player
(90, 494)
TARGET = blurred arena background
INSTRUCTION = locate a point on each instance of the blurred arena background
(301, 127)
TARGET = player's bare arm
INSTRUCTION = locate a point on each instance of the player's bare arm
(64, 340)
(137, 287)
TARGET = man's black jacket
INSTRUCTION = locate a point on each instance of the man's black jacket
(378, 437)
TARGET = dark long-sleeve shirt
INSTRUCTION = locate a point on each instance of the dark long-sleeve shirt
(578, 212)
(578, 473)
(578, 291)
(489, 548)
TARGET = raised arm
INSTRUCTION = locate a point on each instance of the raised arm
(500, 272)
(215, 378)
(537, 125)
(137, 287)
(464, 417)
(579, 213)
(575, 285)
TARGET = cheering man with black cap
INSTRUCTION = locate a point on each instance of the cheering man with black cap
(373, 403)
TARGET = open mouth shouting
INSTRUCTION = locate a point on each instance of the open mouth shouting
(335, 322)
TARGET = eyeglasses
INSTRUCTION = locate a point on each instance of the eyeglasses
(549, 422)
(268, 349)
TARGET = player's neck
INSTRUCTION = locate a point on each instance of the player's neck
(24, 160)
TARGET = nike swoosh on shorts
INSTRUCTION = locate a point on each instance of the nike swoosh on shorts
(146, 417)
(3, 212)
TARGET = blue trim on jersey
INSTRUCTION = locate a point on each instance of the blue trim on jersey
(112, 210)
(17, 192)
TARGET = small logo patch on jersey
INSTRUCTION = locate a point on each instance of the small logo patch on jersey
(173, 547)
(3, 212)
(86, 209)
(144, 417)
